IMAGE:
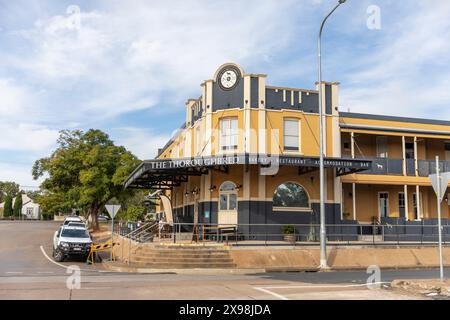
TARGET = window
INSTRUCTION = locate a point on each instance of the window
(409, 150)
(447, 150)
(383, 204)
(198, 141)
(290, 134)
(290, 195)
(29, 211)
(346, 146)
(382, 147)
(227, 197)
(228, 134)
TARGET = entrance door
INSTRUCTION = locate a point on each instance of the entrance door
(410, 156)
(227, 204)
(383, 204)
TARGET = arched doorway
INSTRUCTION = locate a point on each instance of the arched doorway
(227, 204)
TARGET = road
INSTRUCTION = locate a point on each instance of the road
(28, 272)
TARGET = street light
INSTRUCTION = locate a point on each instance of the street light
(323, 235)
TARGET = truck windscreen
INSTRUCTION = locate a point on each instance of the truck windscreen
(75, 233)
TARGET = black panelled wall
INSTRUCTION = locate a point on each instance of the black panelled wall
(260, 215)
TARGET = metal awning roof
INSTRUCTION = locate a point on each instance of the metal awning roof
(168, 173)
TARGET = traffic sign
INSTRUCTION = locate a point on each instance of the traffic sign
(112, 209)
(444, 177)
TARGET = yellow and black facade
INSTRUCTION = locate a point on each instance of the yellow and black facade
(248, 154)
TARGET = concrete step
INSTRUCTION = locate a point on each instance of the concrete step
(182, 254)
(187, 248)
(181, 260)
(183, 265)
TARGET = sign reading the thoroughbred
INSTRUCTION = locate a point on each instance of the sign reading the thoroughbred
(256, 159)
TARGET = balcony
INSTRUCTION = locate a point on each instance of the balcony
(427, 167)
(387, 166)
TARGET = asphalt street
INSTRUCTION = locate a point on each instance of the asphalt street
(28, 272)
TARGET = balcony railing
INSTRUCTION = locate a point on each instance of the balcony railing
(387, 166)
(427, 167)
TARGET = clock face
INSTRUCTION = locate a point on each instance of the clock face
(228, 78)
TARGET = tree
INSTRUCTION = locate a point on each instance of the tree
(8, 188)
(8, 210)
(33, 195)
(85, 171)
(17, 211)
(132, 213)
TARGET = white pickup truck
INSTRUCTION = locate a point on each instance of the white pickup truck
(71, 240)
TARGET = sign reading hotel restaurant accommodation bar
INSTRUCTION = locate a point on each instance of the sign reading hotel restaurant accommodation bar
(241, 159)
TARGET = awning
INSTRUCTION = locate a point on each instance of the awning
(168, 173)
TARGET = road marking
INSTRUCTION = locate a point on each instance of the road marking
(45, 272)
(325, 286)
(66, 267)
(14, 272)
(265, 289)
(279, 296)
(51, 260)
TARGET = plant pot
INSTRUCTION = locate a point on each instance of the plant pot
(289, 238)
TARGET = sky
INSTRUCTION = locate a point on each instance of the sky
(127, 67)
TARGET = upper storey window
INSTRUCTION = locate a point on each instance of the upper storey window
(198, 141)
(228, 134)
(382, 147)
(291, 135)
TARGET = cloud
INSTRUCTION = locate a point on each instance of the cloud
(13, 98)
(406, 70)
(26, 137)
(144, 143)
(117, 59)
(19, 173)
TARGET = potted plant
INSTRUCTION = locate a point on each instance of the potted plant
(288, 233)
(346, 215)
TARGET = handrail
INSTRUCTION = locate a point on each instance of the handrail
(135, 235)
(139, 229)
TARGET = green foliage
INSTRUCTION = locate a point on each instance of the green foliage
(132, 213)
(18, 205)
(8, 209)
(85, 171)
(33, 195)
(8, 188)
(288, 229)
(47, 216)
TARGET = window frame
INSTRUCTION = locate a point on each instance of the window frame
(286, 148)
(382, 141)
(292, 209)
(228, 147)
(198, 141)
(388, 213)
(227, 194)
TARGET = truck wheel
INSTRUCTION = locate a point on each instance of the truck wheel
(58, 255)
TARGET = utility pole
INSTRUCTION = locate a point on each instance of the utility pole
(323, 232)
(439, 196)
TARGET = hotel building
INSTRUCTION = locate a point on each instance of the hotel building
(248, 153)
